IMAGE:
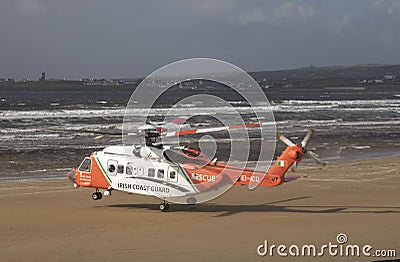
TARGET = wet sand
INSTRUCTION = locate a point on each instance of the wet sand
(49, 220)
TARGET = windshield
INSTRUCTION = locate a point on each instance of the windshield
(86, 165)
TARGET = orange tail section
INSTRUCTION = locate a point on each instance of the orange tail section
(276, 174)
(218, 172)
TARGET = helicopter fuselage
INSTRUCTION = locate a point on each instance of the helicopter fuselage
(149, 170)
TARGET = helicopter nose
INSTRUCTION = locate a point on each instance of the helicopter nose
(71, 175)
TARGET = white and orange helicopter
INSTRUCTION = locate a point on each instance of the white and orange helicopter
(168, 171)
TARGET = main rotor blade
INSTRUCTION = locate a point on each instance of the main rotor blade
(307, 138)
(208, 130)
(86, 131)
(315, 157)
(285, 140)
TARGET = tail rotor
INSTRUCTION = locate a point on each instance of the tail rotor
(303, 145)
(307, 138)
(314, 156)
(285, 140)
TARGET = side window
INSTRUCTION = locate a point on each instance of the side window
(86, 165)
(120, 169)
(173, 176)
(151, 172)
(129, 169)
(160, 173)
(140, 171)
(112, 167)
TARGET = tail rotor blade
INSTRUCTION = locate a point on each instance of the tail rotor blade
(307, 138)
(285, 140)
(315, 157)
(293, 168)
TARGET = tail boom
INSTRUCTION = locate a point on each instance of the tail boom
(276, 174)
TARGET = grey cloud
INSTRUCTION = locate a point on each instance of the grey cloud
(31, 7)
(124, 38)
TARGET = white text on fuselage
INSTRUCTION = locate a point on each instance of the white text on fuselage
(203, 178)
(252, 178)
(156, 189)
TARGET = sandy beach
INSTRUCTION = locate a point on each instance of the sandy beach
(155, 97)
(50, 220)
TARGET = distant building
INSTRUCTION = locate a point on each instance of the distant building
(43, 77)
(389, 77)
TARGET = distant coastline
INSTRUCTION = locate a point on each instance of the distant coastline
(311, 76)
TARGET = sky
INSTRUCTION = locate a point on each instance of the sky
(76, 39)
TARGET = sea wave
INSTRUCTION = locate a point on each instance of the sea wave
(276, 106)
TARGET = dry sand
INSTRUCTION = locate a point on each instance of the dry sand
(48, 220)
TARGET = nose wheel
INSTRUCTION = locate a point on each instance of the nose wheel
(97, 195)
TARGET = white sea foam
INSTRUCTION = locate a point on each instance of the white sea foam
(70, 113)
(360, 147)
(335, 105)
(281, 106)
(340, 123)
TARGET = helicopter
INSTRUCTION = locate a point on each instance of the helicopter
(169, 171)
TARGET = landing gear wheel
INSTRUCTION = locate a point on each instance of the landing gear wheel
(191, 201)
(164, 207)
(97, 196)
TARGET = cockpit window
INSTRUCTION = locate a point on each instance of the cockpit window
(86, 165)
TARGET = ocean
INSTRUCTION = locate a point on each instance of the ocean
(349, 122)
